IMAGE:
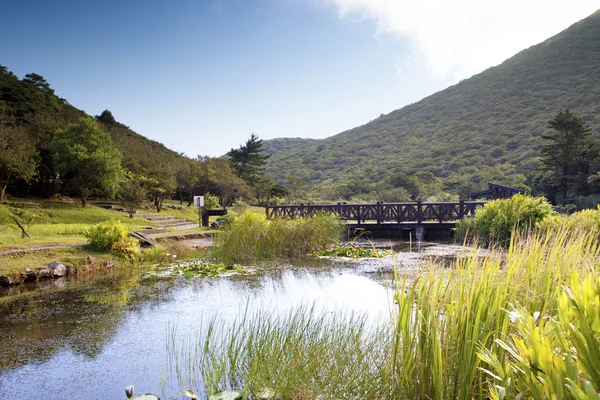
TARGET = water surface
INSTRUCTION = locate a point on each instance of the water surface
(93, 337)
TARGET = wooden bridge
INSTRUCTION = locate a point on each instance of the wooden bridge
(423, 219)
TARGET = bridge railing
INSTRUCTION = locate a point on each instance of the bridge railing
(382, 212)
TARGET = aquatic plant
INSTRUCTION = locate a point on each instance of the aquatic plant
(303, 354)
(205, 269)
(523, 322)
(251, 237)
(447, 318)
(353, 252)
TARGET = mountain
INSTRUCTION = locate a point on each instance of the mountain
(485, 128)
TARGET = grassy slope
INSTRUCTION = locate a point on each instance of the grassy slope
(51, 223)
(485, 127)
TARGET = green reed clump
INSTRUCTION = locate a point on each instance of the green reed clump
(253, 238)
(301, 355)
(446, 317)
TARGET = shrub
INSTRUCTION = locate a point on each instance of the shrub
(583, 222)
(495, 222)
(127, 247)
(104, 235)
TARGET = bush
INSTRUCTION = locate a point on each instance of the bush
(495, 222)
(112, 236)
(127, 247)
(582, 222)
(104, 235)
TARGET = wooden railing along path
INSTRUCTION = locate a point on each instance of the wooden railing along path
(417, 212)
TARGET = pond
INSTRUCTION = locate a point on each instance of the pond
(91, 338)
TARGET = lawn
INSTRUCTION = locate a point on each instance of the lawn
(53, 223)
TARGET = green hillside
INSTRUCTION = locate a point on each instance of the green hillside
(31, 103)
(486, 128)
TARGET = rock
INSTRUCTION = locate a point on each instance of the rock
(13, 280)
(44, 273)
(29, 275)
(89, 260)
(58, 269)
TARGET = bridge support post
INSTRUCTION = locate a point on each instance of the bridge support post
(420, 233)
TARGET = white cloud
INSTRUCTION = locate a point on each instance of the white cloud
(454, 39)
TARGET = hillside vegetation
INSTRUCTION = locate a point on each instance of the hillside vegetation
(486, 128)
(31, 104)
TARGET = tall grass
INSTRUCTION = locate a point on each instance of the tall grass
(302, 355)
(454, 335)
(252, 237)
(446, 318)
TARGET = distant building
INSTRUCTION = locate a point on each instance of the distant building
(495, 191)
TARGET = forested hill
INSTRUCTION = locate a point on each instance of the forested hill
(30, 102)
(486, 128)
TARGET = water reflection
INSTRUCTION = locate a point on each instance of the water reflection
(95, 337)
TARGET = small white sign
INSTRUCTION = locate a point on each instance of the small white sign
(198, 201)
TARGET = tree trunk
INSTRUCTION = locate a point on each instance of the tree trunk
(83, 201)
(2, 192)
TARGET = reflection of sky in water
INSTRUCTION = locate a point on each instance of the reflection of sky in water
(135, 353)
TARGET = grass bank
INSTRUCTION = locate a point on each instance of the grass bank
(52, 223)
(523, 323)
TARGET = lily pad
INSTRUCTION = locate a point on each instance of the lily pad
(225, 396)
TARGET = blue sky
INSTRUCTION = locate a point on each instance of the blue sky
(201, 76)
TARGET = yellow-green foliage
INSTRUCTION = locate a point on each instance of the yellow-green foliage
(112, 236)
(586, 221)
(554, 355)
(252, 237)
(445, 318)
(496, 221)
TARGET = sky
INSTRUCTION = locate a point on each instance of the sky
(201, 76)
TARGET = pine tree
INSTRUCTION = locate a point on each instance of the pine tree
(248, 161)
(567, 155)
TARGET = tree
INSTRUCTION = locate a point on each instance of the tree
(86, 159)
(567, 155)
(248, 161)
(133, 191)
(106, 118)
(165, 183)
(215, 175)
(186, 177)
(17, 156)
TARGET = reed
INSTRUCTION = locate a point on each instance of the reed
(446, 318)
(253, 238)
(305, 354)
